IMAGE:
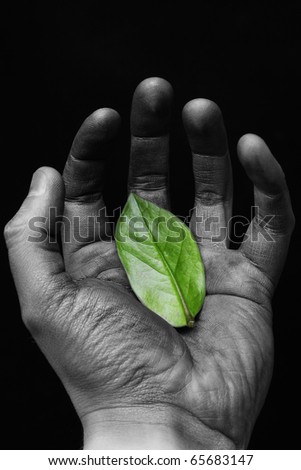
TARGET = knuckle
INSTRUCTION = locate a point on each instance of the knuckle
(209, 198)
(9, 230)
(148, 182)
(81, 198)
(13, 229)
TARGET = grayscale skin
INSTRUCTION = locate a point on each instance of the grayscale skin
(135, 381)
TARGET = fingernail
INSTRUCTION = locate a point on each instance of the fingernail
(38, 184)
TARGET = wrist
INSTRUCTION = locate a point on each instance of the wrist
(149, 427)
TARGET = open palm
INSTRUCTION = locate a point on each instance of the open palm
(117, 359)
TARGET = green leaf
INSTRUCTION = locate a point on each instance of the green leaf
(162, 261)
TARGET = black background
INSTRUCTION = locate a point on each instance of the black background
(62, 60)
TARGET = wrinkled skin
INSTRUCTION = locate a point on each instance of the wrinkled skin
(119, 361)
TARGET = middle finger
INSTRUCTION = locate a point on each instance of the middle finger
(151, 109)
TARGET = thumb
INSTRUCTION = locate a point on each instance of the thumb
(34, 253)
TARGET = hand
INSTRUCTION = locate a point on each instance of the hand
(135, 381)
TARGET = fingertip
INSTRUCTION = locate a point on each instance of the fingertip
(201, 109)
(106, 121)
(97, 129)
(43, 180)
(46, 191)
(155, 93)
(204, 125)
(51, 173)
(260, 165)
(250, 146)
(151, 107)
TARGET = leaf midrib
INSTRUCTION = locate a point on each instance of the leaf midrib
(187, 313)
